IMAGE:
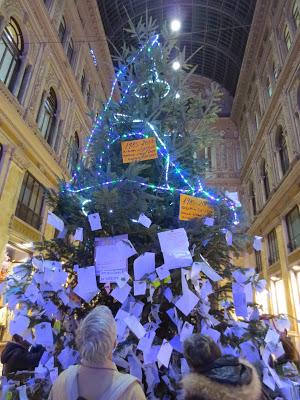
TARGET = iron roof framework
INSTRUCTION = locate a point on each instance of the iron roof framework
(219, 27)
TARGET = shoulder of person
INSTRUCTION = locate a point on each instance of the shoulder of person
(134, 390)
(199, 386)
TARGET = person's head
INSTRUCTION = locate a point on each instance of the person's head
(96, 335)
(200, 352)
(18, 339)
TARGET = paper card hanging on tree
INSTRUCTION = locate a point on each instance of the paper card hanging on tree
(144, 220)
(78, 234)
(239, 300)
(193, 207)
(110, 262)
(139, 150)
(174, 245)
(86, 287)
(144, 264)
(55, 221)
(165, 353)
(95, 221)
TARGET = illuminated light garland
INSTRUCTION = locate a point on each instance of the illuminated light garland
(162, 148)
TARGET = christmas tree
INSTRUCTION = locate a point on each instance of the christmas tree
(140, 232)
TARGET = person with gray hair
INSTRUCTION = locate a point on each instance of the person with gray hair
(97, 377)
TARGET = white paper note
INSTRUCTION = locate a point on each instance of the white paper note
(187, 302)
(209, 271)
(257, 243)
(144, 264)
(95, 221)
(139, 288)
(239, 300)
(86, 287)
(162, 272)
(121, 294)
(209, 221)
(186, 331)
(135, 326)
(78, 234)
(175, 248)
(43, 334)
(272, 336)
(144, 220)
(110, 262)
(55, 221)
(19, 325)
(165, 353)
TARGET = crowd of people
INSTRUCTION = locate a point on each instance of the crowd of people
(212, 376)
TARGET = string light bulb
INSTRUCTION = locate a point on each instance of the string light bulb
(175, 25)
(176, 65)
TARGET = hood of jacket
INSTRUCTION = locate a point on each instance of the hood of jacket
(228, 379)
(9, 351)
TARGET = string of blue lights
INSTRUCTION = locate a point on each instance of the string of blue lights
(188, 187)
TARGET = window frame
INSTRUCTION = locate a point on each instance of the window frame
(287, 37)
(252, 198)
(273, 252)
(13, 48)
(70, 51)
(24, 211)
(47, 116)
(283, 153)
(62, 29)
(293, 237)
(296, 14)
(265, 180)
(83, 81)
(258, 261)
(269, 88)
(73, 155)
(278, 296)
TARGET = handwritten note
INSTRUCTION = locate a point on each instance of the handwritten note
(139, 150)
(193, 207)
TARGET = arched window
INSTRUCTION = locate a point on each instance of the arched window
(1, 152)
(287, 37)
(70, 51)
(282, 151)
(11, 49)
(269, 88)
(296, 14)
(265, 179)
(82, 81)
(252, 197)
(62, 30)
(275, 72)
(47, 116)
(89, 95)
(73, 152)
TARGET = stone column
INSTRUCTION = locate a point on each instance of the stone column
(283, 258)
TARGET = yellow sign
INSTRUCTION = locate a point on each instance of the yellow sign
(139, 150)
(193, 207)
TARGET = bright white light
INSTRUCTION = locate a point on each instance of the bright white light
(176, 65)
(177, 96)
(175, 25)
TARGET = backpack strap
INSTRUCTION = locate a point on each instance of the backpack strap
(118, 387)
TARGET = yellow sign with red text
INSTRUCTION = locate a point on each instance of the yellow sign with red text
(193, 207)
(139, 150)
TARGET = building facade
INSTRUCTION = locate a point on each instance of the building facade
(266, 112)
(55, 70)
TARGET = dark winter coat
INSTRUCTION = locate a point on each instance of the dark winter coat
(15, 357)
(229, 378)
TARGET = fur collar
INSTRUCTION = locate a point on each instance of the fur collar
(199, 387)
